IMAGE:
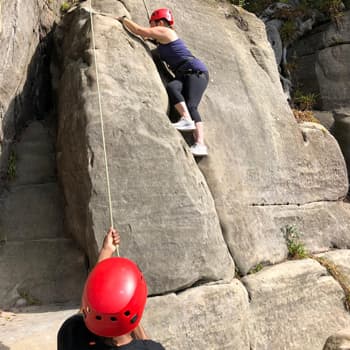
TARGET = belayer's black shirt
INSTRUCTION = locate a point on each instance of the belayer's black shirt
(73, 335)
(139, 345)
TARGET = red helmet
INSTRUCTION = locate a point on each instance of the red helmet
(163, 13)
(114, 297)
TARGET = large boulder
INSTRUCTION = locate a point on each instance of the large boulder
(212, 316)
(295, 305)
(264, 170)
(321, 63)
(259, 155)
(161, 202)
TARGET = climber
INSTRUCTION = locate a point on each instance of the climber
(190, 74)
(113, 301)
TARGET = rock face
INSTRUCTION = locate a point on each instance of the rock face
(271, 162)
(321, 60)
(33, 267)
(295, 292)
(191, 312)
(341, 131)
(31, 326)
(192, 227)
(161, 202)
(23, 65)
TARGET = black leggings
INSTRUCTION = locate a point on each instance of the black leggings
(189, 89)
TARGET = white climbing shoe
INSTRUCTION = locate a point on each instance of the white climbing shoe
(199, 150)
(184, 124)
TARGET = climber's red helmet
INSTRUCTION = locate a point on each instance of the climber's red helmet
(114, 297)
(163, 13)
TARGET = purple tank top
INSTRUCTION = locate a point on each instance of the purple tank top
(178, 56)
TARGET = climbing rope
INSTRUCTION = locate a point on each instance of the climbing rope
(102, 124)
(148, 13)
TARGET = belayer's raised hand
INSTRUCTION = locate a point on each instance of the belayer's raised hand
(110, 243)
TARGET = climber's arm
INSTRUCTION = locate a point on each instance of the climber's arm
(161, 34)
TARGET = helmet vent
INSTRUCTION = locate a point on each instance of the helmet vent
(134, 319)
(113, 319)
(98, 317)
(127, 313)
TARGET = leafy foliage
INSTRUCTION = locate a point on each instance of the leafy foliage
(256, 269)
(295, 246)
(331, 8)
(304, 102)
(66, 5)
(288, 31)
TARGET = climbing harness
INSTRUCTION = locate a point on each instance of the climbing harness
(102, 124)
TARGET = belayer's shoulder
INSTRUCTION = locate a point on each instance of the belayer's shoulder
(153, 345)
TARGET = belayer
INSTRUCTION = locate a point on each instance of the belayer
(190, 74)
(113, 302)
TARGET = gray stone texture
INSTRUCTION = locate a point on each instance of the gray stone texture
(38, 264)
(322, 226)
(181, 223)
(35, 156)
(43, 271)
(325, 117)
(30, 327)
(294, 293)
(322, 61)
(39, 208)
(212, 317)
(20, 42)
(273, 35)
(341, 260)
(341, 131)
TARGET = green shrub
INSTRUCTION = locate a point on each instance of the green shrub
(240, 3)
(65, 6)
(288, 31)
(305, 102)
(256, 268)
(296, 248)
